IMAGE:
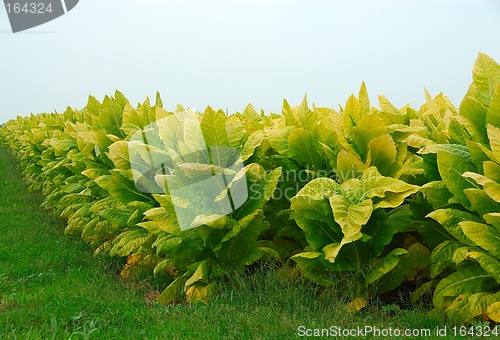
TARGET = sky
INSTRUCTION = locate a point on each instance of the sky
(227, 54)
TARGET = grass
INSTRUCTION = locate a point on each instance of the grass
(51, 287)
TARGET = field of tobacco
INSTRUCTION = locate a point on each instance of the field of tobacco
(377, 197)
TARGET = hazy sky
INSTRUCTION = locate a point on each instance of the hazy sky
(229, 53)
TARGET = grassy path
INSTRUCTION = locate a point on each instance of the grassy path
(50, 284)
(51, 287)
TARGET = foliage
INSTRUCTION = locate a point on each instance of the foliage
(463, 194)
(387, 196)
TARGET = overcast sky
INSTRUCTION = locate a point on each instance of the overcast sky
(228, 53)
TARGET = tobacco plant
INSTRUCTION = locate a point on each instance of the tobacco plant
(385, 196)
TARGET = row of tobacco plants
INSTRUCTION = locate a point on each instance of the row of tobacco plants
(384, 196)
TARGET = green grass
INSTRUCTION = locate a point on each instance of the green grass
(51, 287)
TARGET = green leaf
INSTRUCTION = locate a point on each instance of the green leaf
(479, 154)
(473, 118)
(250, 113)
(451, 167)
(200, 274)
(174, 291)
(450, 219)
(468, 280)
(490, 187)
(423, 290)
(109, 117)
(118, 154)
(304, 148)
(289, 115)
(327, 133)
(352, 114)
(236, 133)
(332, 250)
(213, 125)
(383, 226)
(460, 151)
(261, 190)
(313, 268)
(480, 202)
(466, 307)
(386, 192)
(437, 194)
(239, 246)
(394, 278)
(368, 128)
(117, 217)
(494, 138)
(158, 102)
(486, 77)
(442, 256)
(482, 235)
(161, 219)
(364, 101)
(492, 170)
(474, 107)
(129, 242)
(121, 188)
(315, 218)
(381, 153)
(186, 247)
(350, 217)
(254, 141)
(493, 219)
(386, 264)
(62, 146)
(387, 106)
(419, 257)
(493, 114)
(493, 311)
(490, 264)
(307, 118)
(277, 136)
(349, 166)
